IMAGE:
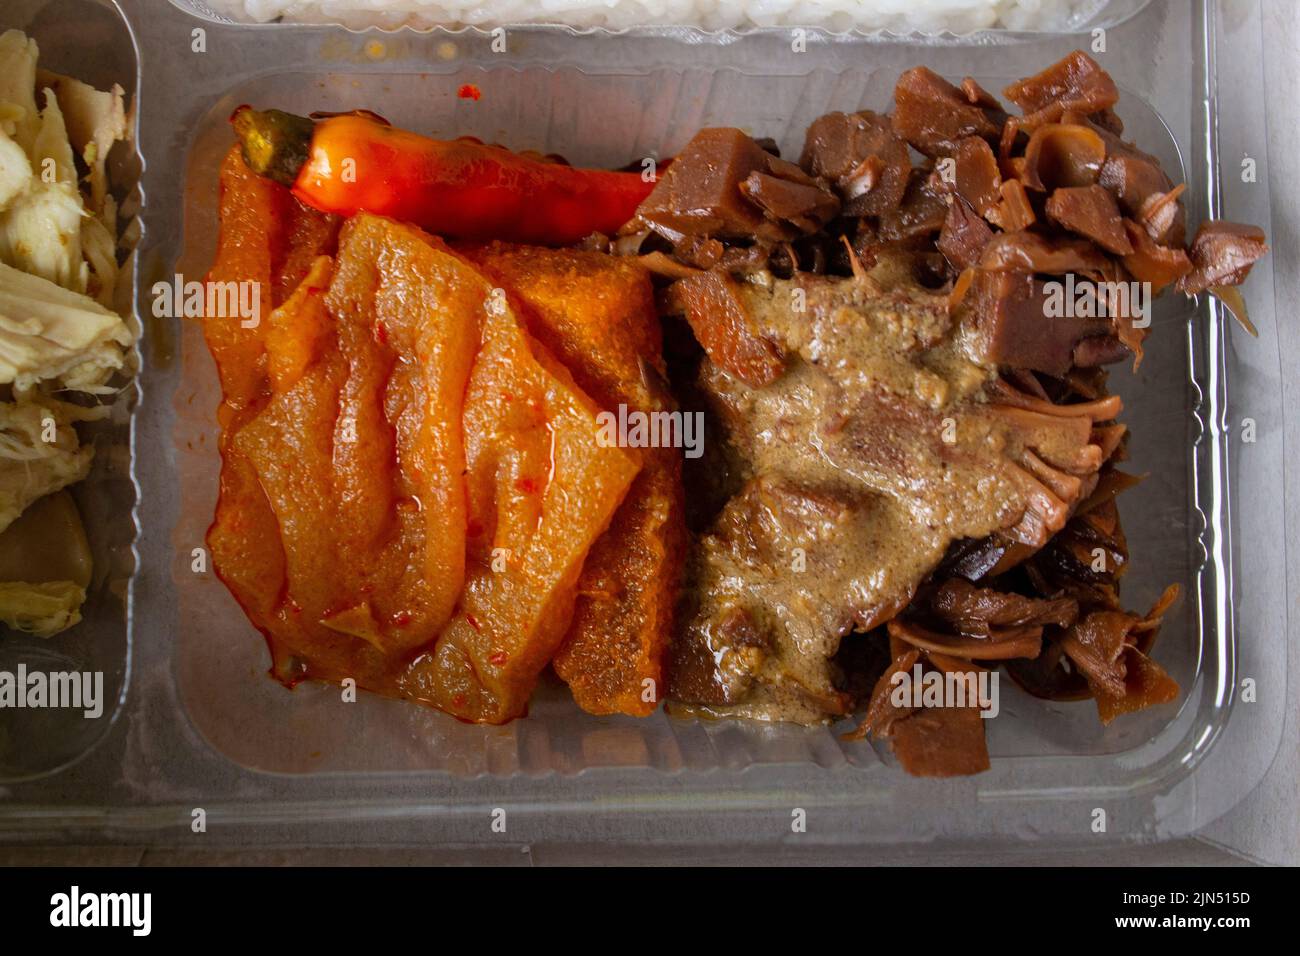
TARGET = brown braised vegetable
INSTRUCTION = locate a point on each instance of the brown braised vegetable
(1013, 328)
(862, 158)
(1074, 83)
(973, 610)
(1060, 174)
(978, 96)
(976, 175)
(1222, 254)
(1149, 262)
(996, 210)
(933, 115)
(713, 307)
(1014, 212)
(1032, 252)
(1062, 155)
(943, 742)
(921, 213)
(1090, 211)
(1104, 648)
(1132, 175)
(806, 206)
(1163, 217)
(964, 235)
(1108, 120)
(700, 193)
(1096, 350)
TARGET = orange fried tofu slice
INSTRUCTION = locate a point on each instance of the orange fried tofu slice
(290, 445)
(613, 656)
(596, 314)
(300, 330)
(541, 489)
(244, 539)
(244, 536)
(268, 238)
(250, 208)
(410, 315)
(359, 450)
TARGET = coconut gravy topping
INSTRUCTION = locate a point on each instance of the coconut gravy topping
(875, 449)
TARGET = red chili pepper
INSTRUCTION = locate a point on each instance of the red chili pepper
(461, 188)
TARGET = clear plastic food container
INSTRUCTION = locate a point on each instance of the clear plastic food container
(199, 725)
(967, 20)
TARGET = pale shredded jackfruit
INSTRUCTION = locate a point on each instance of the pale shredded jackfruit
(43, 609)
(15, 169)
(59, 283)
(96, 119)
(48, 333)
(40, 233)
(40, 452)
(40, 229)
(18, 116)
(47, 227)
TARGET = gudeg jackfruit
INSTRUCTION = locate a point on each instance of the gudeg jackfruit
(45, 567)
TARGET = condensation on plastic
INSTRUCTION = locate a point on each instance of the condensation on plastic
(202, 724)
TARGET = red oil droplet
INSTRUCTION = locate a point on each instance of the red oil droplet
(469, 92)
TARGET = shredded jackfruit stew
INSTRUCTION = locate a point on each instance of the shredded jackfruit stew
(65, 333)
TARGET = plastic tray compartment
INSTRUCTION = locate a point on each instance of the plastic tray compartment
(205, 727)
(90, 41)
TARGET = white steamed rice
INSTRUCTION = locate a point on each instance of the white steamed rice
(957, 16)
